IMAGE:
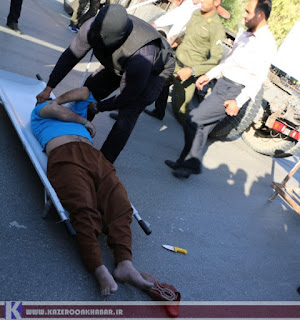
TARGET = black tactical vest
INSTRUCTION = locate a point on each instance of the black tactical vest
(141, 34)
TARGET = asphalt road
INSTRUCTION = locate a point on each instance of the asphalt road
(240, 247)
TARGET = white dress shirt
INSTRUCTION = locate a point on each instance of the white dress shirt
(177, 18)
(248, 62)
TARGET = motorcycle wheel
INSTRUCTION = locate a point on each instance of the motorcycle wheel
(230, 127)
(276, 146)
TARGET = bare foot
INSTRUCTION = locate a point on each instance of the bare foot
(126, 272)
(106, 281)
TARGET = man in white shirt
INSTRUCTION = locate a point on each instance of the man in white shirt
(177, 18)
(240, 76)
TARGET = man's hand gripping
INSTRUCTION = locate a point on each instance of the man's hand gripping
(91, 128)
(44, 95)
(202, 81)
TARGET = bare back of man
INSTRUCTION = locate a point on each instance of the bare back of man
(58, 141)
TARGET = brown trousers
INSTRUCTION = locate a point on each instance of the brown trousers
(86, 183)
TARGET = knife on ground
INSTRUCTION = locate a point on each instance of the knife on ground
(175, 249)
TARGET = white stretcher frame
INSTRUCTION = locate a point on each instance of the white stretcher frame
(18, 103)
(18, 96)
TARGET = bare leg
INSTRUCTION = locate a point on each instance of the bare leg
(126, 272)
(106, 281)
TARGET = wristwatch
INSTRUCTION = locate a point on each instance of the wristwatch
(193, 73)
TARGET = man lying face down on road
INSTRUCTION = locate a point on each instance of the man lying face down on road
(86, 183)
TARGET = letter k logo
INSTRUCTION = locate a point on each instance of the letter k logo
(13, 310)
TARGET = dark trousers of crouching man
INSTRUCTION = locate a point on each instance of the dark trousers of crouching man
(139, 87)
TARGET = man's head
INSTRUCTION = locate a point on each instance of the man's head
(111, 27)
(208, 7)
(257, 13)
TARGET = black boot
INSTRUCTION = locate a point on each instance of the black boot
(154, 114)
(114, 115)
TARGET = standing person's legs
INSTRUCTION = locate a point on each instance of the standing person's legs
(200, 123)
(195, 136)
(15, 11)
(182, 95)
(199, 95)
(81, 6)
(73, 20)
(14, 14)
(92, 11)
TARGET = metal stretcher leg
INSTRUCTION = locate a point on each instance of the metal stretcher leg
(66, 221)
(48, 203)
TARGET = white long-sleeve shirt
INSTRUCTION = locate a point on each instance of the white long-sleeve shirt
(248, 62)
(177, 18)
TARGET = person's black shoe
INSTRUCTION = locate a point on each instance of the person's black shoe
(154, 114)
(73, 27)
(184, 172)
(114, 115)
(173, 165)
(14, 26)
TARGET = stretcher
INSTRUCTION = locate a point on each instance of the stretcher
(18, 97)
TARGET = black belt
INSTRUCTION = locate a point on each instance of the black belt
(235, 83)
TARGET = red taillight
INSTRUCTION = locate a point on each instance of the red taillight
(278, 126)
(281, 127)
(294, 134)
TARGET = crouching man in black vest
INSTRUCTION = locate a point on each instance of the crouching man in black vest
(134, 57)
